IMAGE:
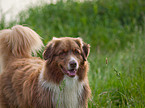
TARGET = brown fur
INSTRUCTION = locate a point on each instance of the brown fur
(22, 74)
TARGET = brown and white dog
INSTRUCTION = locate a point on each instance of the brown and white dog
(58, 81)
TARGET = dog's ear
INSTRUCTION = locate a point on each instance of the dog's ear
(48, 52)
(86, 51)
(84, 46)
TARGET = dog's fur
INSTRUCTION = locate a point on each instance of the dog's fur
(30, 82)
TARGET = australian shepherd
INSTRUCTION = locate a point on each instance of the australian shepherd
(57, 81)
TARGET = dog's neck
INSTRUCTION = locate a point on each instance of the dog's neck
(67, 93)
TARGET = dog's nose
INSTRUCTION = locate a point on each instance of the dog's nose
(73, 64)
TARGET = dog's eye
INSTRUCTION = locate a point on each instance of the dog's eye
(77, 51)
(62, 53)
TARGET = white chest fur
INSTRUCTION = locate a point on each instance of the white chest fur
(67, 94)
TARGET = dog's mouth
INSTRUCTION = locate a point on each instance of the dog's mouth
(70, 73)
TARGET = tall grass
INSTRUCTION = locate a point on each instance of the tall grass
(115, 30)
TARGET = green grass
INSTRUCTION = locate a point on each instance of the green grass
(115, 30)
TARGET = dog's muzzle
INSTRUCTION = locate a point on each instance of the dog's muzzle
(71, 68)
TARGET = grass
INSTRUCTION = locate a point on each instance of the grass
(115, 29)
(121, 81)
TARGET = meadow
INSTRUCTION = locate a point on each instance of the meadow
(115, 29)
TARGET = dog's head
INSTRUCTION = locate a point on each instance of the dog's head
(67, 54)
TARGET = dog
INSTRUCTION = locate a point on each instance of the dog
(58, 81)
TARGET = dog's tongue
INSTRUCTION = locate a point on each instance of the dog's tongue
(71, 73)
